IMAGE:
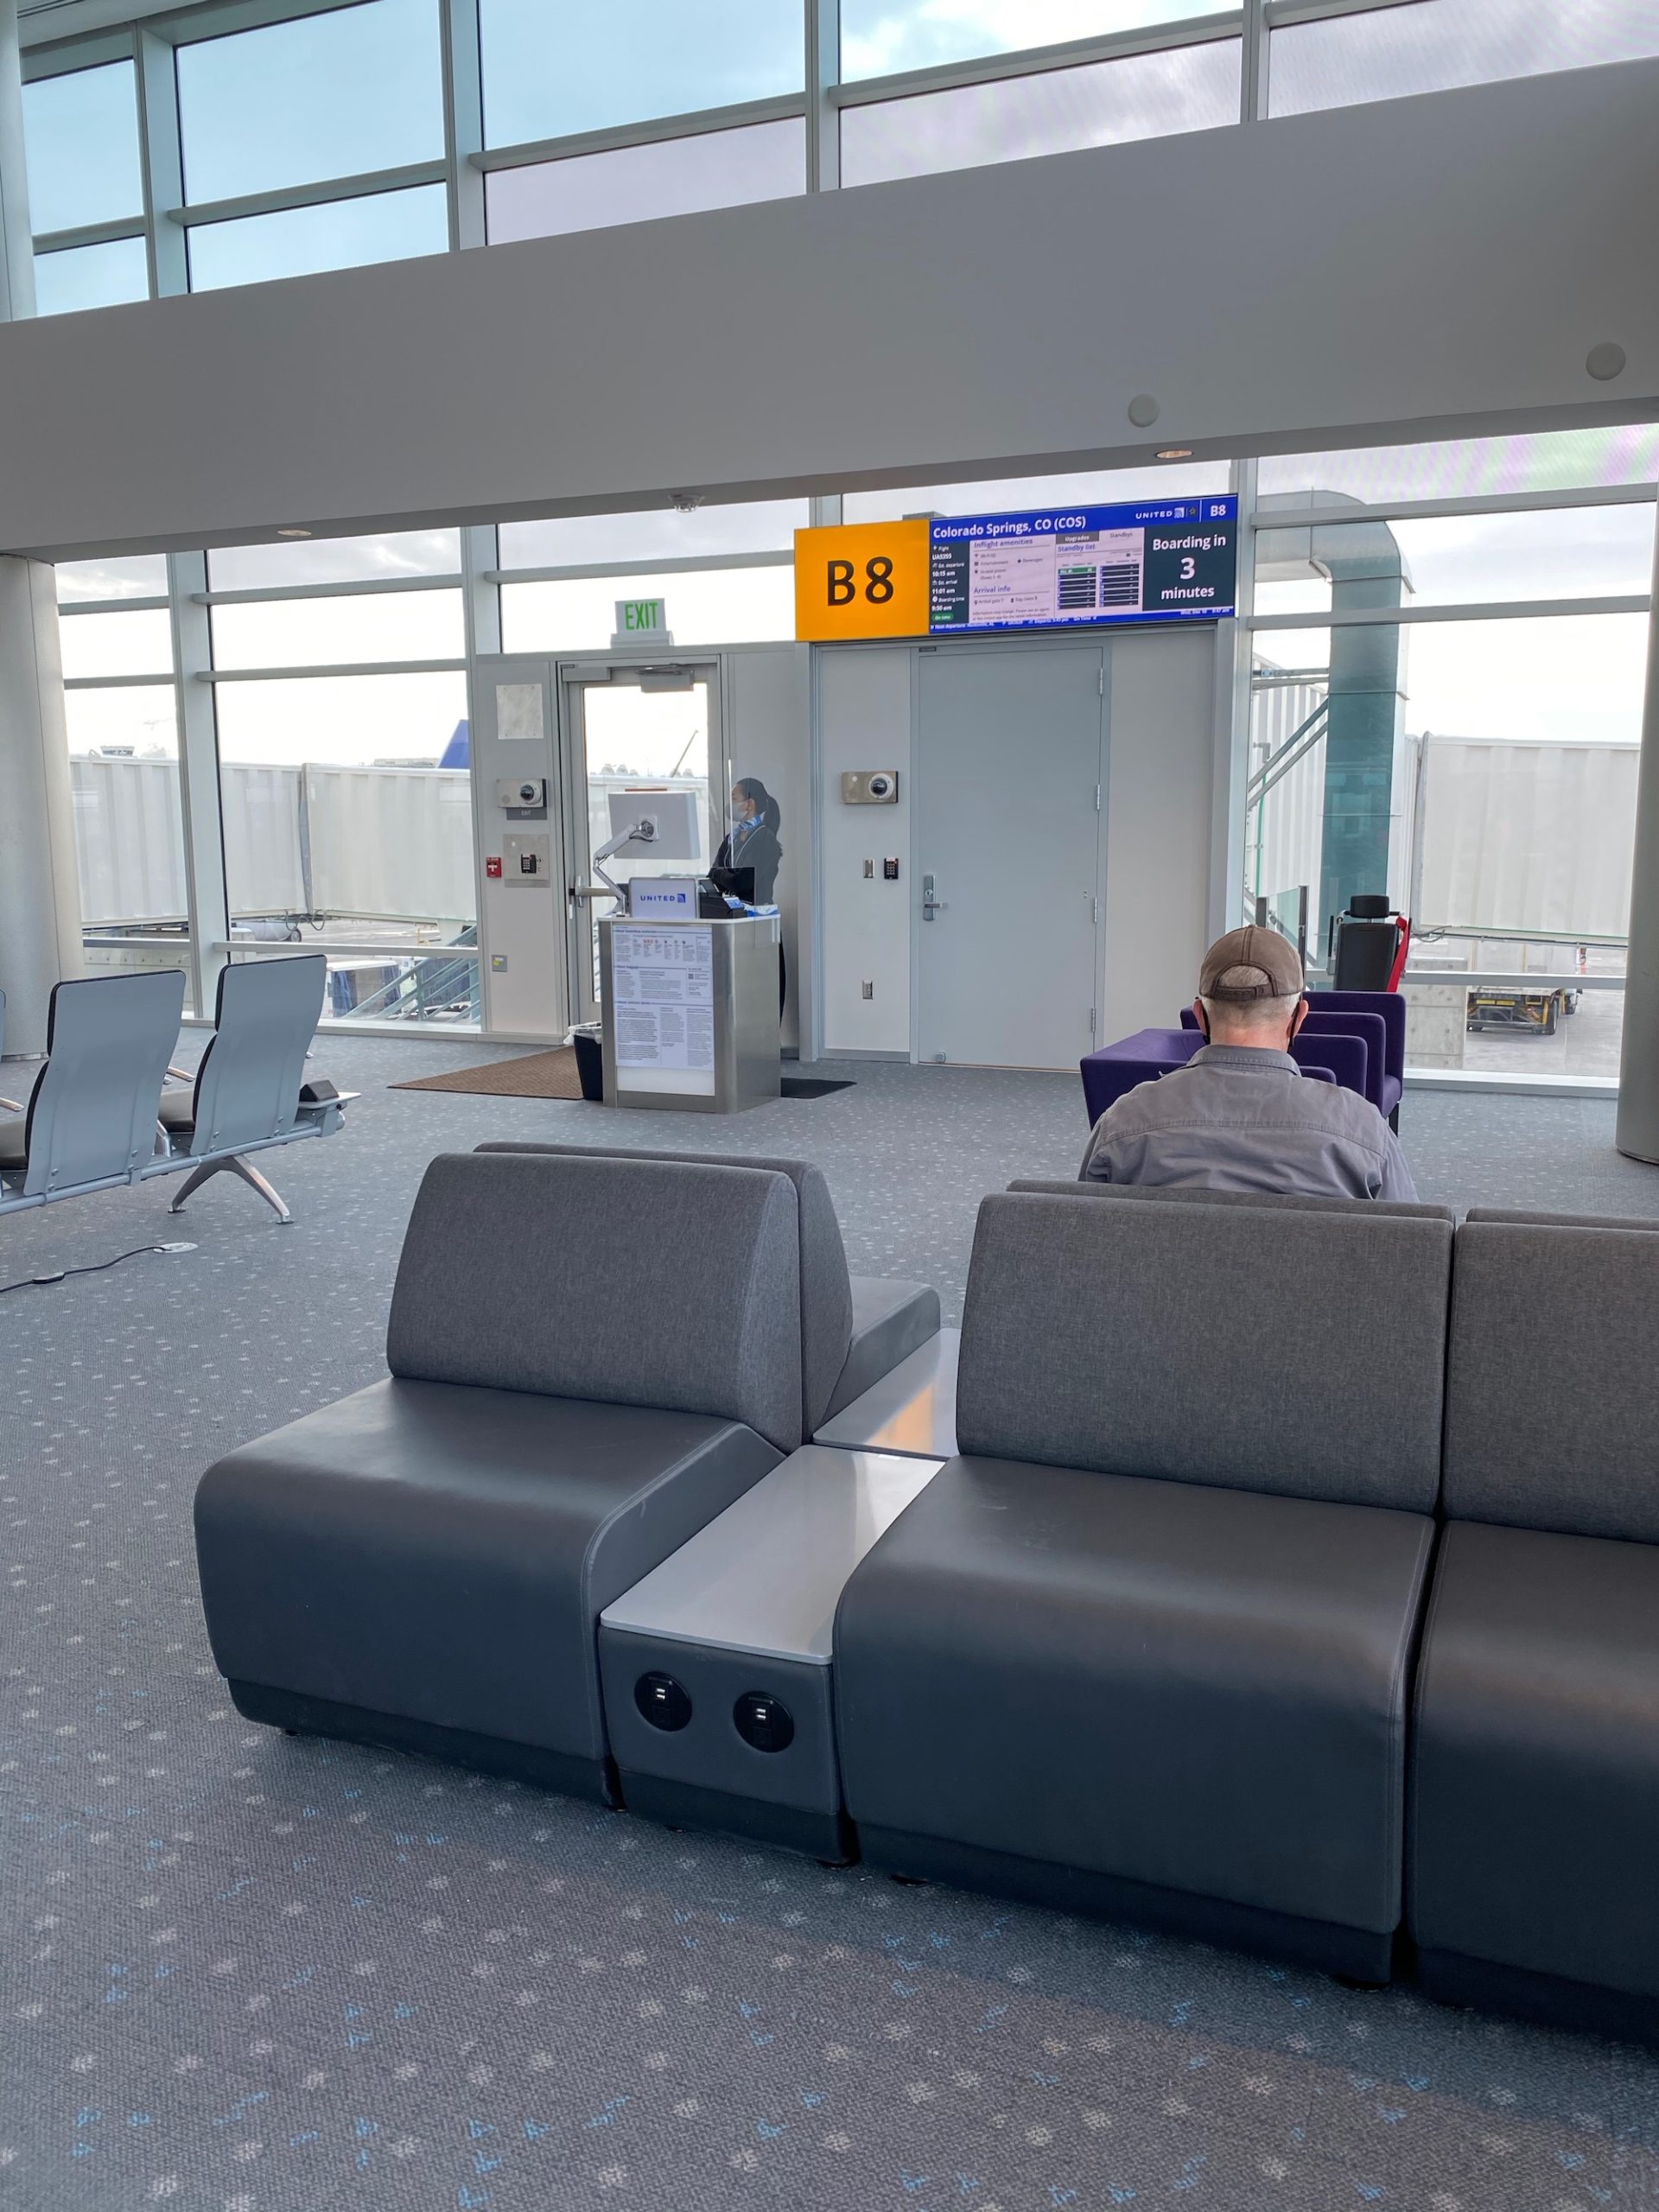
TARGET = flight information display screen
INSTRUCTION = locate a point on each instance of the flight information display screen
(1154, 561)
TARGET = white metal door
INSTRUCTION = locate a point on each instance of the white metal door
(1009, 794)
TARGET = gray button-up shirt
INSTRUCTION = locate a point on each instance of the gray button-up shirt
(1238, 1118)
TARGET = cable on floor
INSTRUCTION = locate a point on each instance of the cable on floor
(96, 1268)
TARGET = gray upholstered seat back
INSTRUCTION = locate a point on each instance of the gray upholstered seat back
(1300, 1353)
(636, 1282)
(248, 1085)
(1524, 1218)
(92, 1116)
(1280, 1201)
(1552, 1411)
(826, 1292)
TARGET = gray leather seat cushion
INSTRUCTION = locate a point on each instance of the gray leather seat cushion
(1280, 1201)
(1534, 1792)
(1145, 1339)
(178, 1110)
(1197, 1689)
(1552, 1411)
(514, 1276)
(443, 1552)
(13, 1133)
(826, 1294)
(891, 1320)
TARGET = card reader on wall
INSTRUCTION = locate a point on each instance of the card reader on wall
(526, 861)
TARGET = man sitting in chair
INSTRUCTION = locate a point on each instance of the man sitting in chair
(1240, 1115)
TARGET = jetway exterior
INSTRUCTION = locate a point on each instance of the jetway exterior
(1522, 837)
(1486, 835)
(377, 843)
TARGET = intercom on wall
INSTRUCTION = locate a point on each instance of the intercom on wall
(519, 796)
(870, 787)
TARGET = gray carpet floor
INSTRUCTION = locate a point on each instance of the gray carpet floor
(243, 1973)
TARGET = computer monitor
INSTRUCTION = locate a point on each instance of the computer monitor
(677, 818)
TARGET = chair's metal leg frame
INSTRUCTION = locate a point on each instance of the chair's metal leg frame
(250, 1176)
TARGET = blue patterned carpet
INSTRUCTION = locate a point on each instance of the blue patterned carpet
(242, 1973)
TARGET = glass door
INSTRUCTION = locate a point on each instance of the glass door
(632, 736)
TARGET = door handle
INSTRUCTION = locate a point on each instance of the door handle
(931, 905)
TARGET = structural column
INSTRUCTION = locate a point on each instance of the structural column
(39, 892)
(1638, 1074)
(40, 886)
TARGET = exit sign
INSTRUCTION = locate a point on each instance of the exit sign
(642, 621)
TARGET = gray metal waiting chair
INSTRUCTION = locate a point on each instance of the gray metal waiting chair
(91, 1117)
(245, 1097)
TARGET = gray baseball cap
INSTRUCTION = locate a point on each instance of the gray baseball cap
(1250, 963)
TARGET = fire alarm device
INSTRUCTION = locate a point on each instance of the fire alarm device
(493, 867)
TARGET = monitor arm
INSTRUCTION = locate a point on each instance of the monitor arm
(646, 831)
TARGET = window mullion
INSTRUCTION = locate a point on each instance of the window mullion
(822, 74)
(206, 899)
(162, 162)
(463, 122)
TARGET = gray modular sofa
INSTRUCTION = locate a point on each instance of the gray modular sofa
(854, 1329)
(422, 1565)
(1144, 1647)
(1533, 1880)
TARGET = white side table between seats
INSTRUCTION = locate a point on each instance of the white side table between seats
(717, 1668)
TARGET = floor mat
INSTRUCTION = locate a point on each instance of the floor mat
(532, 1075)
(810, 1086)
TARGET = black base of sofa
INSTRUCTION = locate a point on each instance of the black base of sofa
(1452, 1978)
(826, 1836)
(1356, 1954)
(569, 1777)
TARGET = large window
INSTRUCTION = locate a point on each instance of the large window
(1430, 47)
(329, 136)
(881, 36)
(728, 576)
(121, 706)
(551, 70)
(334, 95)
(1415, 730)
(80, 134)
(105, 275)
(345, 781)
(1056, 112)
(718, 606)
(300, 241)
(632, 184)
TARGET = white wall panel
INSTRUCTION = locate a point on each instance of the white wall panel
(1161, 759)
(864, 721)
(1407, 269)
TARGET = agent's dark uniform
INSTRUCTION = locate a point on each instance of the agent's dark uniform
(753, 845)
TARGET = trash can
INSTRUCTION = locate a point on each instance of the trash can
(590, 1061)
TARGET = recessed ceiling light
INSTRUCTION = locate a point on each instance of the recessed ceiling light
(1174, 453)
(293, 532)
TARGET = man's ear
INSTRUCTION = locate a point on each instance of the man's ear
(1202, 1018)
(1300, 1016)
